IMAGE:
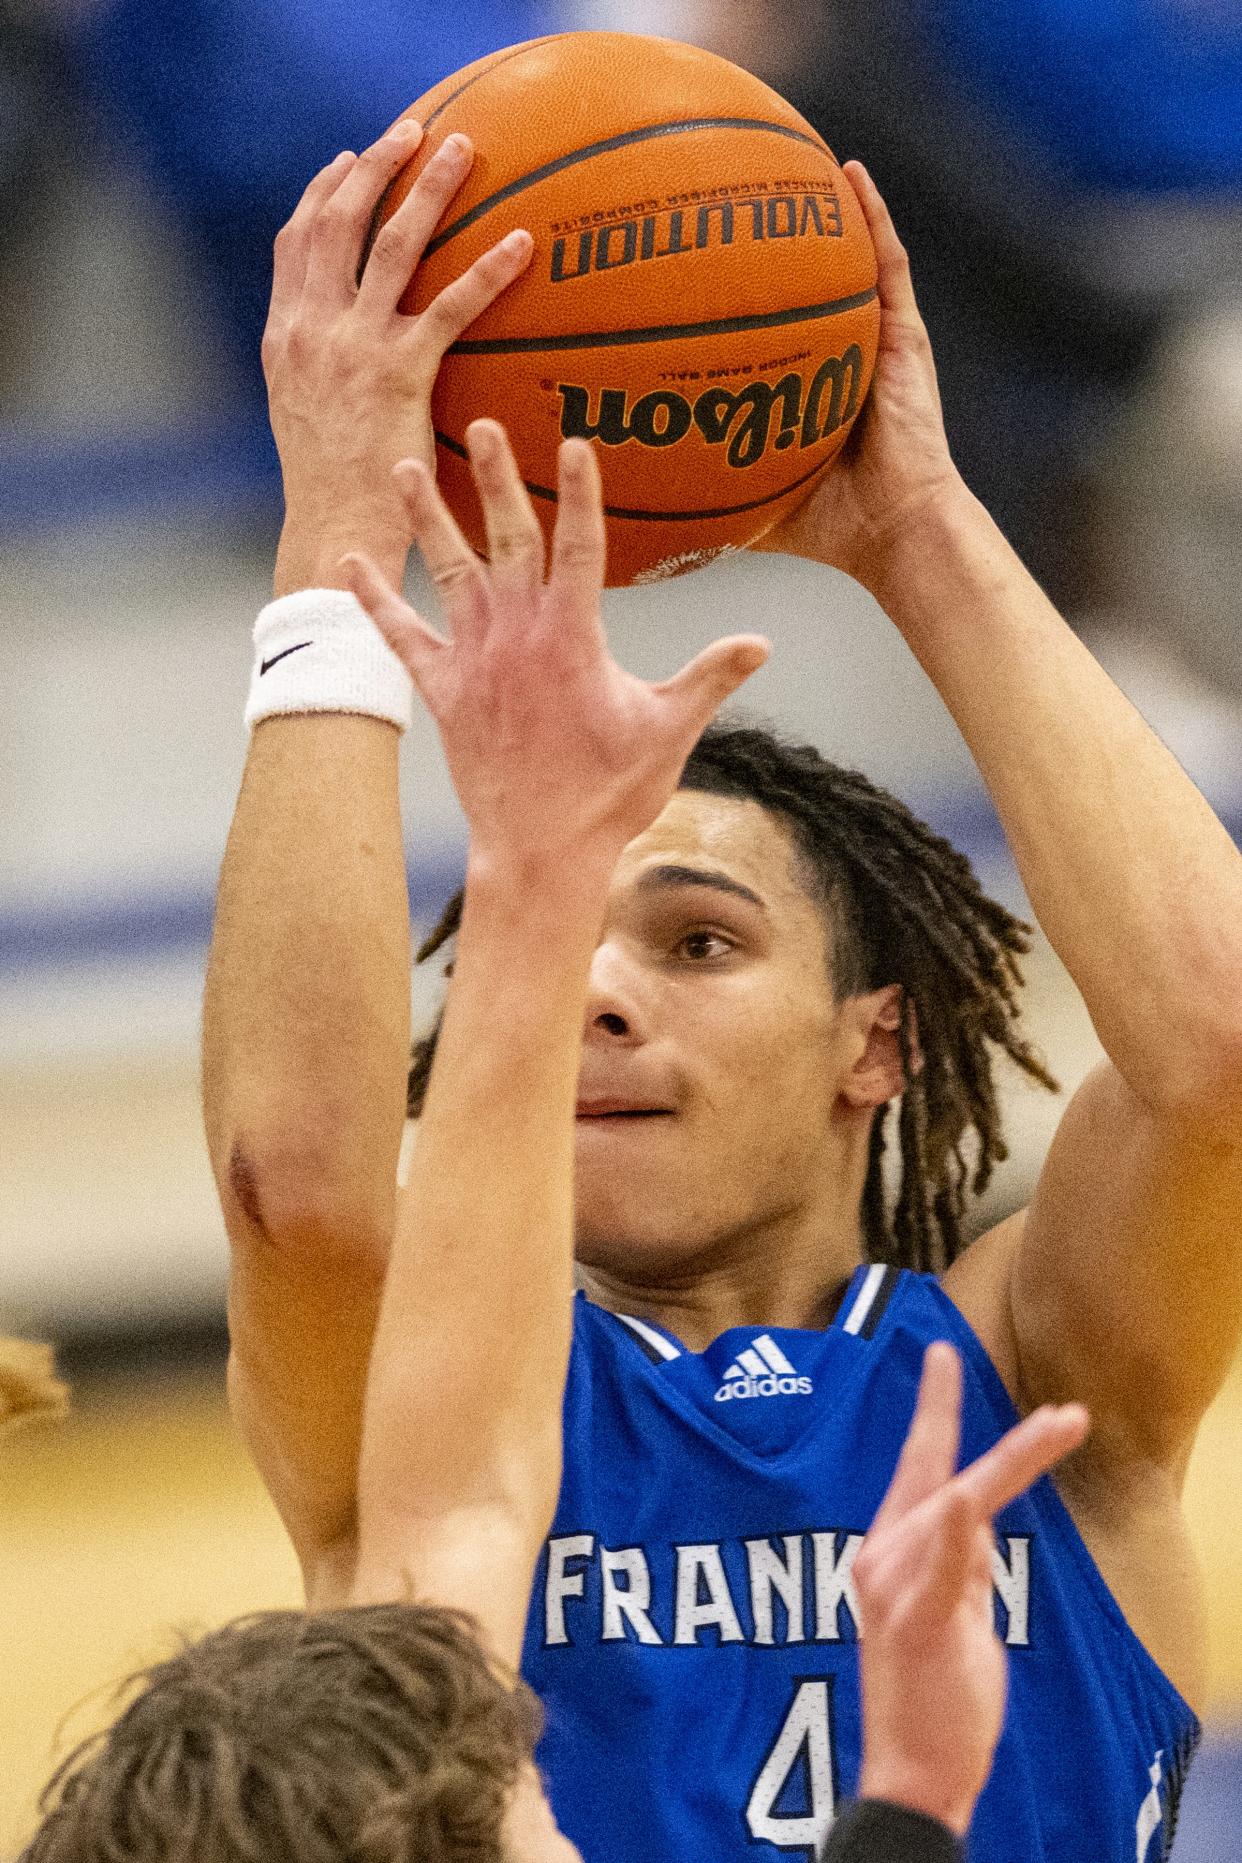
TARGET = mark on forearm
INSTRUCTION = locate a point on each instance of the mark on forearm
(245, 1189)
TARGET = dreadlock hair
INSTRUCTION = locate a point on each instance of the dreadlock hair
(373, 1734)
(903, 906)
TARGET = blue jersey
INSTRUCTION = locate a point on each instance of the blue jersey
(693, 1626)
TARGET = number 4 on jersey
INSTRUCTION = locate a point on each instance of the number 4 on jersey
(804, 1742)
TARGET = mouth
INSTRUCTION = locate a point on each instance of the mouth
(596, 1112)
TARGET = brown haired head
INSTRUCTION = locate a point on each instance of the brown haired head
(379, 1734)
(903, 906)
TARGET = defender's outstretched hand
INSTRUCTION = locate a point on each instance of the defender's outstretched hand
(554, 750)
(933, 1668)
(349, 376)
(896, 461)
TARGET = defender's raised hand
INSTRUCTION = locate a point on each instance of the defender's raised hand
(554, 750)
(896, 461)
(349, 376)
(933, 1668)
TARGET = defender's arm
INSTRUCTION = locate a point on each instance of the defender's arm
(461, 1453)
(559, 758)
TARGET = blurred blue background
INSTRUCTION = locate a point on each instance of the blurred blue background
(1067, 175)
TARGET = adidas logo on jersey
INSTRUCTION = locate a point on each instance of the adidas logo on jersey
(762, 1370)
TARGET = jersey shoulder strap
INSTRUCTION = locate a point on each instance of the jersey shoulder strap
(620, 1337)
(866, 1299)
(653, 1341)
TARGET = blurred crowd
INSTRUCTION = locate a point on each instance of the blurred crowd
(1067, 175)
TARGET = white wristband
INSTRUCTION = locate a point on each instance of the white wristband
(319, 651)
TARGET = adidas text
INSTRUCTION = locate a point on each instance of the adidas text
(771, 1386)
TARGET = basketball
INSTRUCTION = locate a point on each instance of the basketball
(700, 304)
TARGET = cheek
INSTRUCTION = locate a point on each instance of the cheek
(777, 1033)
(771, 1074)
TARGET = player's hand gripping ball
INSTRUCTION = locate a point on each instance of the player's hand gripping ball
(700, 305)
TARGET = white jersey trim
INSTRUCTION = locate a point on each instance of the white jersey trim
(864, 1300)
(655, 1340)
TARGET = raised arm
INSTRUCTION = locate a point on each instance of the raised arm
(559, 758)
(1123, 1283)
(305, 1039)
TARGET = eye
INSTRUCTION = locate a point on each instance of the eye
(702, 945)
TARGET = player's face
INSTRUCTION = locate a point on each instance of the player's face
(530, 1830)
(713, 1046)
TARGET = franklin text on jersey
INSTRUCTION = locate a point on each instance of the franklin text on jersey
(693, 1631)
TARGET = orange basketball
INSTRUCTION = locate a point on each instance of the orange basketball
(701, 301)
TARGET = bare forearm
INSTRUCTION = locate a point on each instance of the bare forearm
(1132, 877)
(464, 1398)
(306, 1017)
(560, 759)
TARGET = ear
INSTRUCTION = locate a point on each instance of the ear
(877, 1075)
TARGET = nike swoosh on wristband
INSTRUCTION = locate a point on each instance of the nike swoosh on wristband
(265, 666)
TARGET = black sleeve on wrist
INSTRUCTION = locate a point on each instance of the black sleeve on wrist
(870, 1830)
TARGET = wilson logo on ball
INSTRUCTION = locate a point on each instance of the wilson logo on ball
(665, 235)
(740, 420)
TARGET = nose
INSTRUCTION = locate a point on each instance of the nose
(613, 1013)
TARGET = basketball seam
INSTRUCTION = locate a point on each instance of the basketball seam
(665, 517)
(681, 126)
(660, 333)
(489, 65)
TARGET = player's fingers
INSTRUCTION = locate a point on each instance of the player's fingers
(399, 244)
(455, 308)
(514, 539)
(415, 644)
(929, 1453)
(949, 1547)
(1028, 1451)
(579, 543)
(340, 224)
(451, 563)
(290, 249)
(702, 687)
(895, 285)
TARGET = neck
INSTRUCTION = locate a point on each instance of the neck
(786, 1270)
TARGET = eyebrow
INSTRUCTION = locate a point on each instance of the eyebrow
(657, 878)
